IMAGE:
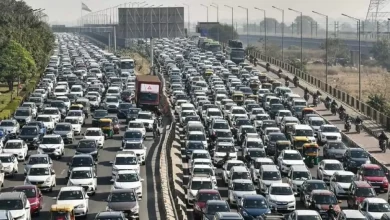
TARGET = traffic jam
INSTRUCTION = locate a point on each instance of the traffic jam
(252, 148)
(83, 101)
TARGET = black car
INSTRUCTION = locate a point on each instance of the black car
(81, 160)
(132, 114)
(123, 109)
(97, 115)
(61, 106)
(310, 185)
(214, 206)
(88, 146)
(126, 96)
(31, 135)
(355, 157)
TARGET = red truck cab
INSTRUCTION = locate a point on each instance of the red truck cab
(147, 91)
(374, 174)
(34, 196)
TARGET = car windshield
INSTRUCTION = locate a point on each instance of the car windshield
(204, 197)
(38, 160)
(243, 187)
(135, 125)
(262, 117)
(81, 174)
(212, 209)
(13, 145)
(288, 156)
(92, 98)
(280, 190)
(257, 153)
(329, 129)
(133, 135)
(238, 111)
(378, 207)
(316, 185)
(301, 175)
(145, 116)
(123, 197)
(44, 119)
(5, 159)
(207, 171)
(22, 112)
(126, 161)
(34, 171)
(336, 145)
(277, 137)
(111, 100)
(50, 111)
(271, 175)
(255, 204)
(30, 192)
(51, 140)
(93, 133)
(197, 185)
(373, 172)
(249, 130)
(241, 175)
(82, 162)
(254, 144)
(215, 113)
(134, 146)
(344, 178)
(365, 192)
(57, 104)
(304, 132)
(63, 127)
(11, 204)
(196, 137)
(195, 145)
(359, 154)
(221, 126)
(70, 195)
(75, 113)
(100, 114)
(225, 148)
(282, 114)
(325, 199)
(72, 121)
(127, 177)
(7, 123)
(333, 166)
(230, 165)
(317, 123)
(29, 131)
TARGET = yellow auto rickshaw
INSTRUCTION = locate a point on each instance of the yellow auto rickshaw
(306, 111)
(235, 71)
(299, 142)
(238, 97)
(63, 212)
(208, 73)
(107, 127)
(263, 77)
(276, 84)
(254, 85)
(280, 146)
(254, 97)
(310, 152)
(76, 107)
(266, 86)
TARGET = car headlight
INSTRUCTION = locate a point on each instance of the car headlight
(244, 213)
(135, 209)
(69, 134)
(80, 206)
(137, 188)
(47, 180)
(57, 148)
(368, 161)
(35, 139)
(108, 208)
(272, 201)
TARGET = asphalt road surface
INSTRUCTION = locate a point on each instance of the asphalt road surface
(97, 202)
(223, 188)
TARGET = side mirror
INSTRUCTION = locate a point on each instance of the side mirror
(53, 172)
(340, 201)
(111, 162)
(86, 196)
(141, 180)
(54, 198)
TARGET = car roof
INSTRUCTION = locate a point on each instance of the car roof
(330, 161)
(11, 195)
(109, 214)
(254, 197)
(306, 212)
(299, 167)
(291, 152)
(344, 173)
(215, 202)
(242, 181)
(350, 213)
(362, 184)
(375, 200)
(210, 191)
(371, 166)
(71, 188)
(322, 192)
(280, 185)
(81, 168)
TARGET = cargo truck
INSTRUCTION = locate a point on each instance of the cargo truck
(147, 91)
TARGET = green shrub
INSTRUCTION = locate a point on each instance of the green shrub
(5, 114)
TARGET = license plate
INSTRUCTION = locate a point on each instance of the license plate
(39, 185)
(376, 187)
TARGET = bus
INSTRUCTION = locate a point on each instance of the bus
(127, 65)
(237, 55)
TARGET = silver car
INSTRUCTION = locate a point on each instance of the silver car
(66, 132)
(334, 150)
(124, 200)
(36, 159)
(10, 126)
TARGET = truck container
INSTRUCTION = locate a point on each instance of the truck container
(147, 91)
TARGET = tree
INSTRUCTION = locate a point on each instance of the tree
(308, 24)
(381, 52)
(336, 49)
(15, 62)
(271, 23)
(225, 32)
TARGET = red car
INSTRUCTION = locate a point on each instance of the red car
(374, 174)
(201, 198)
(34, 196)
(359, 191)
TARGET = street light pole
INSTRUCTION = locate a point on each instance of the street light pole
(207, 8)
(217, 7)
(232, 20)
(247, 25)
(301, 35)
(265, 30)
(360, 75)
(326, 46)
(188, 12)
(281, 10)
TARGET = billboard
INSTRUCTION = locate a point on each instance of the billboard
(165, 22)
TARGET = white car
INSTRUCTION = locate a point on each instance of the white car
(95, 134)
(221, 149)
(53, 112)
(146, 118)
(125, 161)
(20, 208)
(65, 99)
(77, 90)
(328, 133)
(374, 208)
(138, 148)
(197, 182)
(287, 158)
(85, 177)
(137, 126)
(281, 196)
(76, 124)
(327, 168)
(36, 159)
(10, 163)
(33, 107)
(53, 145)
(227, 167)
(18, 148)
(128, 179)
(60, 91)
(238, 188)
(41, 175)
(75, 196)
(78, 114)
(340, 183)
(48, 121)
(204, 169)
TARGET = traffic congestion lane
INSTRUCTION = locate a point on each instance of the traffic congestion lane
(97, 202)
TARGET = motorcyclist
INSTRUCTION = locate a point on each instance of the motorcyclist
(295, 80)
(341, 109)
(382, 137)
(243, 134)
(327, 99)
(155, 127)
(226, 157)
(306, 91)
(331, 212)
(248, 159)
(334, 103)
(358, 120)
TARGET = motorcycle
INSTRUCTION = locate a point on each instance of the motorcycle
(296, 83)
(347, 126)
(333, 110)
(382, 145)
(358, 127)
(315, 101)
(342, 115)
(287, 83)
(327, 105)
(306, 97)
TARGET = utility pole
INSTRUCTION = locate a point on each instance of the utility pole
(281, 10)
(232, 20)
(300, 13)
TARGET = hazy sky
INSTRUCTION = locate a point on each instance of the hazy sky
(68, 11)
